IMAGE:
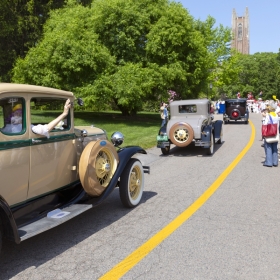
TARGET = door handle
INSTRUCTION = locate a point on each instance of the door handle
(36, 141)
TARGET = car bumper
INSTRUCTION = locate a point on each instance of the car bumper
(204, 144)
(163, 144)
(242, 118)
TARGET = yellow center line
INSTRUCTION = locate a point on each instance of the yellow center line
(130, 261)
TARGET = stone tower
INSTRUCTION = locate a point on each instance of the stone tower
(240, 32)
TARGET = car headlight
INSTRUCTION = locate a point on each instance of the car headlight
(117, 138)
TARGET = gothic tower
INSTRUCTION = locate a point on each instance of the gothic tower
(240, 32)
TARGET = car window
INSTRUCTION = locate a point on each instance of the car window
(235, 103)
(45, 109)
(12, 115)
(187, 109)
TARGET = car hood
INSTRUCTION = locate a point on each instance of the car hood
(91, 130)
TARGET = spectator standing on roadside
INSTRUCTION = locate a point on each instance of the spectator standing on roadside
(218, 106)
(271, 149)
(163, 113)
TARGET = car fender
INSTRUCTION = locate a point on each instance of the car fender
(8, 221)
(206, 133)
(217, 129)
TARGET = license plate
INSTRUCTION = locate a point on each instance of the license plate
(162, 138)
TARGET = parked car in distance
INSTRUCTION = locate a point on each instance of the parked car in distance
(46, 181)
(236, 110)
(190, 121)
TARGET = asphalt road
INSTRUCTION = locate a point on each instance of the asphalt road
(233, 235)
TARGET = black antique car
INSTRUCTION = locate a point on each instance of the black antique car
(236, 110)
(47, 180)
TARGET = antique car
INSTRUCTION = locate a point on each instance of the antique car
(190, 121)
(236, 110)
(46, 181)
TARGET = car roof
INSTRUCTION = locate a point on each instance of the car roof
(190, 102)
(22, 88)
(236, 100)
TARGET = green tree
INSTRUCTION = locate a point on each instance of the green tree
(21, 26)
(69, 56)
(123, 51)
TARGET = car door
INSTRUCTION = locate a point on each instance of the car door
(54, 158)
(14, 149)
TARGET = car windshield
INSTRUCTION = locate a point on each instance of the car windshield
(187, 109)
(235, 103)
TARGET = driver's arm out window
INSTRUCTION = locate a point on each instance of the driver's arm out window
(45, 109)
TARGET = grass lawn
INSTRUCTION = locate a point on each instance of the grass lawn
(140, 130)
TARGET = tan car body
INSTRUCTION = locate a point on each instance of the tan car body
(44, 165)
(51, 177)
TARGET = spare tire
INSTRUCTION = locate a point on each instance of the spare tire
(181, 134)
(97, 166)
(235, 114)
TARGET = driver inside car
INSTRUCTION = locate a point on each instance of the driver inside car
(16, 121)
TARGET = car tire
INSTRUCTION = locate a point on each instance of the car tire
(210, 150)
(181, 134)
(131, 183)
(165, 150)
(97, 166)
(220, 141)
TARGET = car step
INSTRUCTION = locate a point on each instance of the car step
(146, 169)
(53, 219)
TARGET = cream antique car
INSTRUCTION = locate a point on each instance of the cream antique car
(191, 121)
(47, 180)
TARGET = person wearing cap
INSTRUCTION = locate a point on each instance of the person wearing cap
(16, 121)
(271, 149)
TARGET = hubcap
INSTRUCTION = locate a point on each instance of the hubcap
(103, 167)
(181, 135)
(135, 182)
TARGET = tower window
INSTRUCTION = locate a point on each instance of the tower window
(239, 37)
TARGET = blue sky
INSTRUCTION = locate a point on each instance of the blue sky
(264, 18)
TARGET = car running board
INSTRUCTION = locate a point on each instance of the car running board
(146, 169)
(53, 219)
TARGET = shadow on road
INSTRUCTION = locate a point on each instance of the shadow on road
(42, 248)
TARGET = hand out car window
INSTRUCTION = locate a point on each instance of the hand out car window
(12, 115)
(44, 110)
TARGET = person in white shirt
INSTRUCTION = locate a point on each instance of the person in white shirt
(271, 149)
